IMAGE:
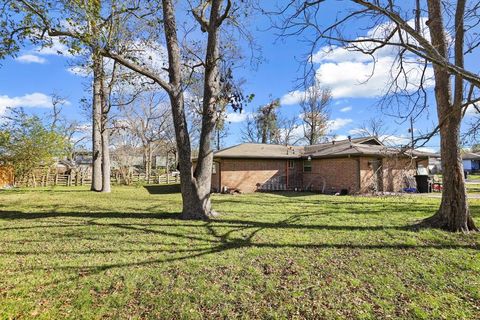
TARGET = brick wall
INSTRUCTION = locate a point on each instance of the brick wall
(247, 175)
(337, 174)
(367, 180)
(354, 174)
(392, 175)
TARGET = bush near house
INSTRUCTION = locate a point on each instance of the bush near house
(69, 253)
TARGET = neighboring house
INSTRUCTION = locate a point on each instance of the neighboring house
(435, 164)
(347, 166)
(471, 161)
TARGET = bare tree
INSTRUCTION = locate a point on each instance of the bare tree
(314, 106)
(250, 131)
(403, 31)
(288, 131)
(374, 127)
(149, 119)
(71, 130)
(125, 144)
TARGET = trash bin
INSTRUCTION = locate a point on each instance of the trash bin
(423, 183)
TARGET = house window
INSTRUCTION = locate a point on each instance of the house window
(291, 164)
(307, 166)
(214, 168)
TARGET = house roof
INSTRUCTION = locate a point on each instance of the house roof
(260, 151)
(470, 156)
(369, 146)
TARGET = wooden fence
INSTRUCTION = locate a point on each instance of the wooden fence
(81, 179)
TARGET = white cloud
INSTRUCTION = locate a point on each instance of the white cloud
(471, 110)
(388, 139)
(356, 132)
(393, 140)
(426, 149)
(338, 123)
(346, 109)
(293, 97)
(338, 54)
(378, 33)
(352, 74)
(339, 137)
(295, 135)
(56, 48)
(32, 100)
(371, 79)
(30, 58)
(29, 100)
(235, 117)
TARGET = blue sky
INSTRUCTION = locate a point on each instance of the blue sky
(28, 80)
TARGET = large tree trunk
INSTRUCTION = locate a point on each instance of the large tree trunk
(97, 123)
(453, 214)
(203, 170)
(195, 191)
(148, 161)
(106, 165)
(106, 168)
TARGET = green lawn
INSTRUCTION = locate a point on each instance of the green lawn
(473, 177)
(473, 187)
(68, 253)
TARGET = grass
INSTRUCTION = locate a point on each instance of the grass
(473, 187)
(473, 177)
(71, 254)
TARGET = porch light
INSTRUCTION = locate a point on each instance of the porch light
(309, 158)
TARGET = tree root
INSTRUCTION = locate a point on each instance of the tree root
(437, 221)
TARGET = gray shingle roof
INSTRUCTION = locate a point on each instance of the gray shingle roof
(258, 150)
(470, 156)
(369, 146)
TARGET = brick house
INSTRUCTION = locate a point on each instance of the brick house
(348, 166)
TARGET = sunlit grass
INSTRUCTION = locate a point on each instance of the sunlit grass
(69, 253)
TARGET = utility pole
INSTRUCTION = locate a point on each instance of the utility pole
(411, 132)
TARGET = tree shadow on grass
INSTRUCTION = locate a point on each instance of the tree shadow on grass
(221, 242)
(163, 189)
(196, 239)
(19, 215)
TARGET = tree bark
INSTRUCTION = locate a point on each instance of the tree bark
(203, 170)
(97, 122)
(196, 200)
(106, 164)
(106, 168)
(453, 214)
